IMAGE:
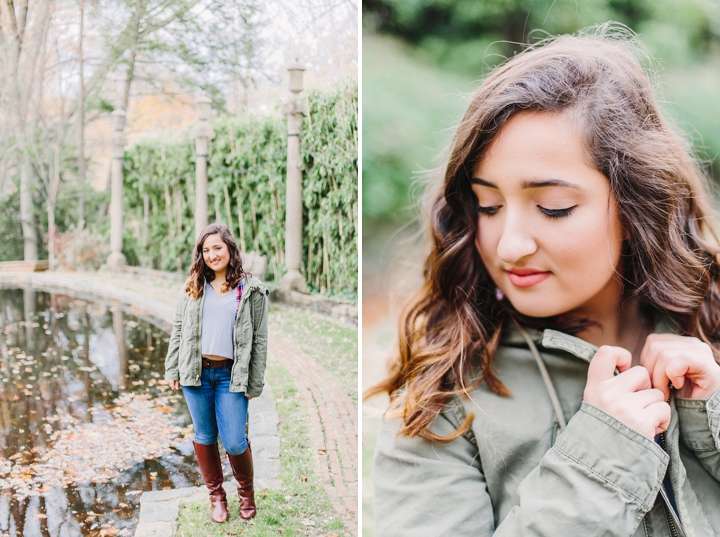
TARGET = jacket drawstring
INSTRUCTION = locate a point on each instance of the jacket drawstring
(546, 378)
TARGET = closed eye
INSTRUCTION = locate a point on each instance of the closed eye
(488, 210)
(556, 213)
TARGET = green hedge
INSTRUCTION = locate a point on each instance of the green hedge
(246, 174)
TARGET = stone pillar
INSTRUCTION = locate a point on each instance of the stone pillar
(294, 110)
(116, 258)
(202, 133)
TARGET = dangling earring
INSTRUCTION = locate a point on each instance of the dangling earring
(499, 294)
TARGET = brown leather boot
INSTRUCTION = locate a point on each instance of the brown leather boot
(208, 458)
(242, 467)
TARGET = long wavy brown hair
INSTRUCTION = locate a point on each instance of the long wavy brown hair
(451, 328)
(200, 273)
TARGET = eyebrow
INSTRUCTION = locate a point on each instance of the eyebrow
(531, 184)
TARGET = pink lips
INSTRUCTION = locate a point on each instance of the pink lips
(527, 277)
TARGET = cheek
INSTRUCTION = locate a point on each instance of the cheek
(486, 240)
(592, 246)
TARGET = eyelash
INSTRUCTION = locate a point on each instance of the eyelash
(488, 210)
(553, 214)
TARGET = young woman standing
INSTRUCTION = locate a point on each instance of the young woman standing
(217, 354)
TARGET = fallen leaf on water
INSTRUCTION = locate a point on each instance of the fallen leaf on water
(39, 516)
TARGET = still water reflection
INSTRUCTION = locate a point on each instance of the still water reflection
(86, 423)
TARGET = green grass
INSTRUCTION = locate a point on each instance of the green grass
(300, 502)
(333, 346)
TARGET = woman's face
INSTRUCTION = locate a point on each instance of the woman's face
(548, 230)
(215, 253)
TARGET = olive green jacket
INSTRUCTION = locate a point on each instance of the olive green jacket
(515, 474)
(250, 338)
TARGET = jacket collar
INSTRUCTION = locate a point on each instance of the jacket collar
(556, 340)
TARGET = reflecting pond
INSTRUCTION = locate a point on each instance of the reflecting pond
(86, 421)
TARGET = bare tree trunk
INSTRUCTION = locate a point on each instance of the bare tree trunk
(130, 74)
(52, 195)
(21, 72)
(26, 210)
(81, 121)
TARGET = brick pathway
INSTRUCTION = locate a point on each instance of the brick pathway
(333, 425)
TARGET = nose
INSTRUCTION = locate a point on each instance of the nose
(516, 240)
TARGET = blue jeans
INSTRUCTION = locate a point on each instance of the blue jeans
(214, 408)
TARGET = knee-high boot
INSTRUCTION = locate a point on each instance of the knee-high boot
(242, 467)
(208, 458)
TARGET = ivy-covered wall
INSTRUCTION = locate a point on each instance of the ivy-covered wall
(246, 174)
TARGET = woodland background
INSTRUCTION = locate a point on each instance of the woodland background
(67, 64)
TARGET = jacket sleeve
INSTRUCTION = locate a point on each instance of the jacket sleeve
(700, 430)
(258, 354)
(424, 488)
(582, 485)
(171, 360)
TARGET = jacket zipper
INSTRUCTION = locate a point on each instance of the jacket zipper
(667, 507)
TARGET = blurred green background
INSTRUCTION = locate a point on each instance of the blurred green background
(422, 57)
(421, 61)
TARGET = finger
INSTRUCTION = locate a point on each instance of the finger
(606, 360)
(645, 398)
(659, 415)
(660, 379)
(679, 368)
(658, 344)
(649, 353)
(634, 379)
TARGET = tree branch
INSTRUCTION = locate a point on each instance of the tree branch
(13, 19)
(150, 28)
